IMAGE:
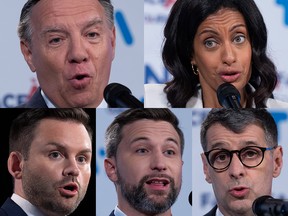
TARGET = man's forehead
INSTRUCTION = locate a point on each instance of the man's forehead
(53, 9)
(145, 129)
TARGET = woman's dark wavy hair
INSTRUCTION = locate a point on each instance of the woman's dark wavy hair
(182, 24)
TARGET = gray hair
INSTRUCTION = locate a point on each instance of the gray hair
(237, 120)
(25, 29)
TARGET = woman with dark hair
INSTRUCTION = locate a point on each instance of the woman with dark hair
(210, 42)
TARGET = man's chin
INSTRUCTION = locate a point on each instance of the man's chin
(158, 198)
(241, 206)
(83, 102)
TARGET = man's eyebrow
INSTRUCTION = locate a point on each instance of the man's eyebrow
(93, 22)
(218, 145)
(63, 148)
(170, 139)
(57, 145)
(53, 29)
(61, 29)
(85, 151)
(241, 144)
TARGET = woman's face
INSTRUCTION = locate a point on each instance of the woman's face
(222, 51)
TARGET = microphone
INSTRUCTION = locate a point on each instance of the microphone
(267, 205)
(228, 96)
(119, 96)
(190, 198)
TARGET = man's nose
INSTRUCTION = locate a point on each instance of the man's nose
(71, 168)
(77, 52)
(158, 161)
(236, 168)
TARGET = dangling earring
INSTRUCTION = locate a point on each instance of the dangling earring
(196, 72)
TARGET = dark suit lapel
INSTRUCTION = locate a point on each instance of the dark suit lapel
(11, 208)
(212, 212)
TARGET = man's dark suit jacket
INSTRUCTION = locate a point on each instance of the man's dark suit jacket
(36, 101)
(212, 212)
(10, 208)
(112, 213)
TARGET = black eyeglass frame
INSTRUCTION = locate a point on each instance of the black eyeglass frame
(238, 153)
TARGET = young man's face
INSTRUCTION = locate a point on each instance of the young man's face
(148, 166)
(56, 175)
(237, 187)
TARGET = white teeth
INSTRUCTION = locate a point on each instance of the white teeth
(158, 182)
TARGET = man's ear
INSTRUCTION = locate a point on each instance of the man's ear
(277, 161)
(15, 164)
(205, 169)
(27, 53)
(113, 41)
(110, 168)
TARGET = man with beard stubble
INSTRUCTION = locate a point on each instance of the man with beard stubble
(144, 149)
(238, 179)
(50, 161)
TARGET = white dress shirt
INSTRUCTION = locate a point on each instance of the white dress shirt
(49, 103)
(118, 212)
(26, 206)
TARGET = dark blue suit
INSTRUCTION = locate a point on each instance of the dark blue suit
(36, 101)
(112, 213)
(212, 212)
(10, 208)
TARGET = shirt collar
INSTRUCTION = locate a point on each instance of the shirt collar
(118, 212)
(218, 212)
(49, 103)
(47, 100)
(26, 206)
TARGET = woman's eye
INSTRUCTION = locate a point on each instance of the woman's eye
(239, 39)
(210, 43)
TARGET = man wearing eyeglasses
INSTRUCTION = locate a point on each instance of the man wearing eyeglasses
(241, 157)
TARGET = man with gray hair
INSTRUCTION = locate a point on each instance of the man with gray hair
(240, 159)
(70, 44)
(144, 150)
